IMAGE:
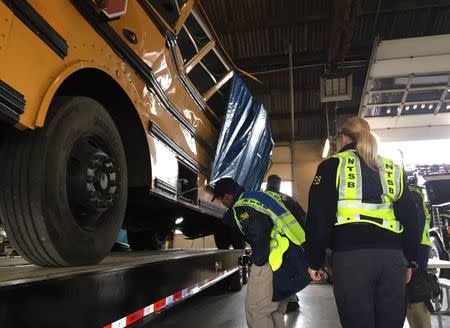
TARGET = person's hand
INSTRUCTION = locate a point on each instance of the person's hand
(314, 274)
(408, 275)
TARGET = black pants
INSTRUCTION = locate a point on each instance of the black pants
(369, 287)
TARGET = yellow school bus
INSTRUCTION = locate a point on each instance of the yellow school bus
(109, 115)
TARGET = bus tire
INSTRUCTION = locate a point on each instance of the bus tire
(146, 240)
(64, 188)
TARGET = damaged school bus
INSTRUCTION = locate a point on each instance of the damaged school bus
(109, 116)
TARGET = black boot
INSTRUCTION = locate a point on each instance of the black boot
(292, 307)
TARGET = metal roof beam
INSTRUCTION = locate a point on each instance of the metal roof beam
(408, 6)
(312, 114)
(222, 26)
(307, 85)
(342, 26)
(315, 60)
(274, 22)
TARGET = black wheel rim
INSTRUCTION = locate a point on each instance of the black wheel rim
(92, 181)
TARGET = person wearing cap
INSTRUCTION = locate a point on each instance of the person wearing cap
(275, 237)
(418, 314)
(274, 185)
(360, 207)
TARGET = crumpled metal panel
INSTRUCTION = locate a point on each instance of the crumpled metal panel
(245, 142)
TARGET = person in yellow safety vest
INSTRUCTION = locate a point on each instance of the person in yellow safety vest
(359, 207)
(276, 238)
(274, 185)
(417, 313)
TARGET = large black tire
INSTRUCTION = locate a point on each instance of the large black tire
(245, 273)
(146, 240)
(55, 211)
(437, 252)
(236, 280)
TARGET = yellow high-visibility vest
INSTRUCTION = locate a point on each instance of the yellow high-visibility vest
(285, 227)
(426, 229)
(351, 209)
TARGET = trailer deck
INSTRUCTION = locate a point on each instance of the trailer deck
(119, 291)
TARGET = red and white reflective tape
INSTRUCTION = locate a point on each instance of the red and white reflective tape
(169, 300)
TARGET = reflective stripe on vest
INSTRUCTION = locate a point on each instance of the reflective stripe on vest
(285, 226)
(390, 179)
(426, 229)
(349, 184)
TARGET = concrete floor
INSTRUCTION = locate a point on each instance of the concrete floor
(215, 309)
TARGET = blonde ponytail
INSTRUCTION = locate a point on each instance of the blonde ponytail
(366, 145)
(367, 148)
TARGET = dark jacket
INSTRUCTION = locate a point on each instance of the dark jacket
(418, 201)
(321, 232)
(292, 276)
(293, 206)
(257, 230)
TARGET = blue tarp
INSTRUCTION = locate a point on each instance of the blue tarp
(245, 142)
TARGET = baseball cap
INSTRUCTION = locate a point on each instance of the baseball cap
(224, 186)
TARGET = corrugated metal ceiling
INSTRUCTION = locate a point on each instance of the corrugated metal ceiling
(256, 33)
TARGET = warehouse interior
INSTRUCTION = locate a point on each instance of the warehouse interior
(326, 37)
(301, 67)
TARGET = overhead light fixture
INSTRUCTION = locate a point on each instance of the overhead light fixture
(178, 232)
(422, 106)
(326, 148)
(430, 106)
(179, 220)
(388, 111)
(407, 108)
(415, 107)
(448, 107)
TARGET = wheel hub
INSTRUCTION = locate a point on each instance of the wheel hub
(101, 183)
(92, 181)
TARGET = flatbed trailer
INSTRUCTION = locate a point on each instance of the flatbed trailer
(124, 289)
